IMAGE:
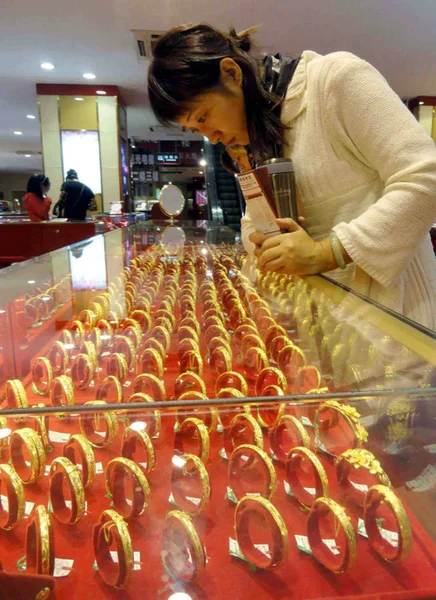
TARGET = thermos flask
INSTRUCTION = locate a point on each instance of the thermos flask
(282, 178)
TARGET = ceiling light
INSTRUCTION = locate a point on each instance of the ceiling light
(203, 162)
(27, 155)
(2, 312)
(421, 102)
(79, 99)
(31, 281)
(47, 66)
(31, 116)
(18, 133)
(89, 75)
(101, 92)
(200, 172)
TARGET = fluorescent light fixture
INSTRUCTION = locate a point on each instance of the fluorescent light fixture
(203, 162)
(47, 66)
(31, 281)
(89, 75)
(27, 155)
(78, 99)
(421, 102)
(31, 116)
(2, 312)
(18, 133)
(101, 92)
(200, 172)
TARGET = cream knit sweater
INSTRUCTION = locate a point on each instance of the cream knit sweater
(366, 169)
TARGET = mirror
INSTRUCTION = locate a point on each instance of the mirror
(171, 200)
(173, 239)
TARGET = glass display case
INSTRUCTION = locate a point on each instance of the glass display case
(177, 425)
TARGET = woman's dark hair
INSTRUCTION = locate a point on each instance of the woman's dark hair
(186, 64)
(35, 183)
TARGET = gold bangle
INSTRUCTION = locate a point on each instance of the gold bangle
(185, 331)
(40, 365)
(88, 318)
(40, 551)
(62, 391)
(86, 465)
(82, 371)
(16, 396)
(174, 521)
(191, 322)
(304, 439)
(103, 389)
(254, 361)
(141, 490)
(41, 427)
(153, 427)
(143, 318)
(124, 345)
(132, 435)
(278, 379)
(210, 419)
(88, 348)
(223, 382)
(355, 459)
(149, 384)
(192, 506)
(106, 333)
(66, 338)
(320, 550)
(240, 453)
(220, 360)
(29, 438)
(12, 516)
(63, 469)
(293, 464)
(133, 332)
(188, 381)
(351, 416)
(237, 421)
(163, 336)
(102, 539)
(58, 349)
(117, 367)
(245, 507)
(150, 355)
(191, 361)
(303, 374)
(78, 332)
(90, 423)
(199, 432)
(377, 495)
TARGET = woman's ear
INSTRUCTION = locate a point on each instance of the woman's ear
(231, 73)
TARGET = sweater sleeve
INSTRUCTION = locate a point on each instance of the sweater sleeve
(41, 208)
(381, 132)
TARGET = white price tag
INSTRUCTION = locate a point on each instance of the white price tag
(62, 567)
(311, 491)
(171, 499)
(288, 488)
(306, 421)
(107, 353)
(127, 384)
(92, 384)
(264, 548)
(47, 470)
(114, 556)
(361, 487)
(234, 549)
(389, 536)
(393, 448)
(425, 481)
(431, 448)
(361, 529)
(230, 495)
(99, 468)
(331, 545)
(220, 428)
(303, 544)
(4, 502)
(195, 501)
(253, 494)
(58, 438)
(136, 561)
(28, 507)
(223, 454)
(273, 456)
(100, 433)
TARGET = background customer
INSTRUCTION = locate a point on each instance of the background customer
(77, 198)
(35, 201)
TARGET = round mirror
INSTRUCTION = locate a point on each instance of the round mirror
(172, 240)
(171, 200)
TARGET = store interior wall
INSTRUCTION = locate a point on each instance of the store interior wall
(11, 183)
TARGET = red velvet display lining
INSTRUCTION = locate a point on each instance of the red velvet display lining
(300, 577)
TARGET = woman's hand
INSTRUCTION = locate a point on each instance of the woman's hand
(293, 253)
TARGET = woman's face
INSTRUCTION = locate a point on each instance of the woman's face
(219, 115)
(45, 188)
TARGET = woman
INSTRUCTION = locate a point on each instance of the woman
(35, 201)
(365, 168)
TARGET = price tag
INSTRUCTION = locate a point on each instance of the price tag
(273, 456)
(137, 561)
(393, 448)
(28, 507)
(288, 489)
(4, 502)
(47, 470)
(389, 536)
(306, 421)
(234, 549)
(171, 499)
(176, 426)
(107, 353)
(195, 501)
(311, 491)
(361, 487)
(62, 567)
(230, 495)
(127, 383)
(156, 436)
(361, 529)
(99, 468)
(431, 448)
(223, 454)
(425, 481)
(58, 438)
(331, 545)
(303, 544)
(219, 428)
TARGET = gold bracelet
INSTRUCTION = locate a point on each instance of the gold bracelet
(320, 550)
(133, 333)
(62, 391)
(61, 470)
(189, 465)
(239, 421)
(151, 385)
(85, 462)
(29, 438)
(239, 457)
(163, 336)
(16, 396)
(199, 432)
(177, 522)
(143, 318)
(152, 425)
(102, 538)
(124, 345)
(248, 506)
(82, 371)
(12, 515)
(231, 379)
(117, 367)
(116, 471)
(133, 435)
(88, 348)
(357, 459)
(103, 389)
(377, 495)
(41, 427)
(66, 338)
(40, 551)
(59, 358)
(39, 387)
(89, 424)
(106, 332)
(270, 372)
(351, 417)
(78, 332)
(303, 437)
(151, 362)
(303, 495)
(88, 318)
